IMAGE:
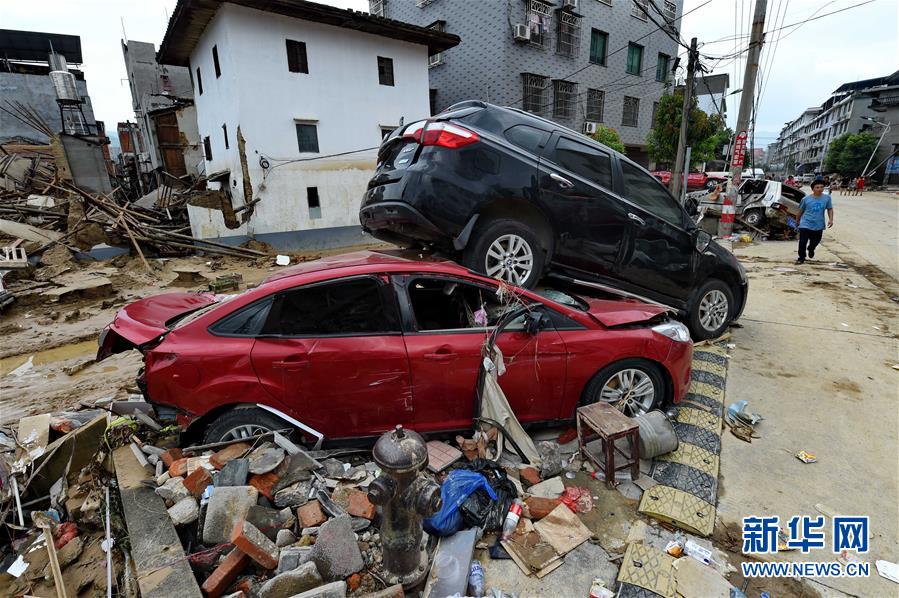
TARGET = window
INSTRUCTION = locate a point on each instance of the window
(225, 135)
(669, 9)
(634, 59)
(296, 57)
(568, 34)
(207, 148)
(645, 191)
(631, 112)
(385, 71)
(215, 62)
(314, 203)
(244, 322)
(448, 304)
(534, 91)
(307, 137)
(378, 8)
(564, 95)
(639, 8)
(342, 308)
(595, 104)
(436, 59)
(599, 45)
(199, 82)
(662, 67)
(432, 101)
(539, 21)
(584, 160)
(527, 137)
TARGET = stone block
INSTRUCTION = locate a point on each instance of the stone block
(335, 589)
(228, 454)
(291, 583)
(310, 514)
(292, 557)
(184, 511)
(234, 473)
(173, 490)
(227, 506)
(336, 553)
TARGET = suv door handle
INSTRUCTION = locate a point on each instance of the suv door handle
(562, 181)
(636, 218)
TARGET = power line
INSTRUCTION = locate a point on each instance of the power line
(804, 21)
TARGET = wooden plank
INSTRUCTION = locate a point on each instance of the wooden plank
(159, 561)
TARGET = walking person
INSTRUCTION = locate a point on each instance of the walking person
(860, 186)
(852, 185)
(844, 185)
(811, 219)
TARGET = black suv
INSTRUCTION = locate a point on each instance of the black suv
(519, 197)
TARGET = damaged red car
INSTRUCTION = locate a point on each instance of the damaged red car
(349, 346)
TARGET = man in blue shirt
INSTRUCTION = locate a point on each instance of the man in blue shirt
(811, 219)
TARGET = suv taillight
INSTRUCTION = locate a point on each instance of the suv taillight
(440, 134)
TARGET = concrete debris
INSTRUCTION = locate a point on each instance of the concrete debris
(336, 553)
(303, 578)
(226, 507)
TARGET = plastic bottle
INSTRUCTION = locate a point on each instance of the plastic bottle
(512, 518)
(476, 580)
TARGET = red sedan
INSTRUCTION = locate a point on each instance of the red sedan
(695, 180)
(351, 345)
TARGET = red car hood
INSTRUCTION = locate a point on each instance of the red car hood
(618, 313)
(142, 321)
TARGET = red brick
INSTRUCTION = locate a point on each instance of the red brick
(178, 468)
(567, 436)
(253, 542)
(529, 475)
(353, 581)
(310, 514)
(197, 481)
(171, 455)
(225, 573)
(228, 453)
(244, 586)
(264, 483)
(541, 507)
(359, 505)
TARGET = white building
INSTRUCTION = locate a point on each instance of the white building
(292, 102)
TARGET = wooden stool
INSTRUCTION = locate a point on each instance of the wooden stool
(610, 425)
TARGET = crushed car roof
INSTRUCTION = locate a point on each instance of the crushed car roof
(385, 258)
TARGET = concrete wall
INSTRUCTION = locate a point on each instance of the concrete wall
(487, 65)
(340, 94)
(87, 163)
(37, 92)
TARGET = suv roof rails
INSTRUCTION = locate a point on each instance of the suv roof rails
(464, 104)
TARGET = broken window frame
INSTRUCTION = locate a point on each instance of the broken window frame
(630, 106)
(487, 294)
(568, 33)
(596, 100)
(534, 90)
(564, 99)
(539, 20)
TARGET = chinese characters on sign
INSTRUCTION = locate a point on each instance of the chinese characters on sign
(760, 534)
(739, 149)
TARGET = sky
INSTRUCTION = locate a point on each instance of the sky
(798, 71)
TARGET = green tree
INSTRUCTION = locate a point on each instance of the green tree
(609, 137)
(706, 134)
(849, 153)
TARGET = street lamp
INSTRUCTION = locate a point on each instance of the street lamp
(886, 127)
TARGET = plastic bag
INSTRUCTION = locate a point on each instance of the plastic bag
(489, 512)
(458, 486)
(577, 499)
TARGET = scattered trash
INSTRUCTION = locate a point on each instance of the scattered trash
(577, 499)
(282, 260)
(888, 570)
(598, 589)
(806, 457)
(742, 424)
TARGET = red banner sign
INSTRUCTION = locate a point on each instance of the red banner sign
(739, 149)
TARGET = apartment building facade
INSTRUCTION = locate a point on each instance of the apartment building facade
(576, 62)
(292, 102)
(867, 105)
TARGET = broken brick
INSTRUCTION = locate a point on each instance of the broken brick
(539, 507)
(225, 573)
(229, 453)
(178, 468)
(310, 514)
(253, 542)
(359, 505)
(197, 481)
(567, 436)
(264, 483)
(354, 581)
(170, 456)
(529, 475)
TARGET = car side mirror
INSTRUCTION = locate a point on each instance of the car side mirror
(701, 240)
(534, 322)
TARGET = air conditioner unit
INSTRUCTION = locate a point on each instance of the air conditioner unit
(522, 33)
(589, 128)
(572, 4)
(435, 59)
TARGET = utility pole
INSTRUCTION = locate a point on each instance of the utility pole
(674, 185)
(756, 39)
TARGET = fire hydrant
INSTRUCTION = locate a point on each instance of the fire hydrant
(405, 497)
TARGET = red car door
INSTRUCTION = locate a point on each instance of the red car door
(333, 352)
(444, 340)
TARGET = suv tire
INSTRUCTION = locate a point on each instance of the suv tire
(242, 422)
(711, 311)
(506, 249)
(641, 373)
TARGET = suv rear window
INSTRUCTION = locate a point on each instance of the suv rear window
(527, 137)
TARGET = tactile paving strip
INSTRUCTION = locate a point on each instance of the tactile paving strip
(700, 418)
(692, 455)
(710, 390)
(686, 478)
(702, 438)
(648, 568)
(713, 357)
(710, 367)
(680, 508)
(708, 377)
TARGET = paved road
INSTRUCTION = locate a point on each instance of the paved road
(869, 226)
